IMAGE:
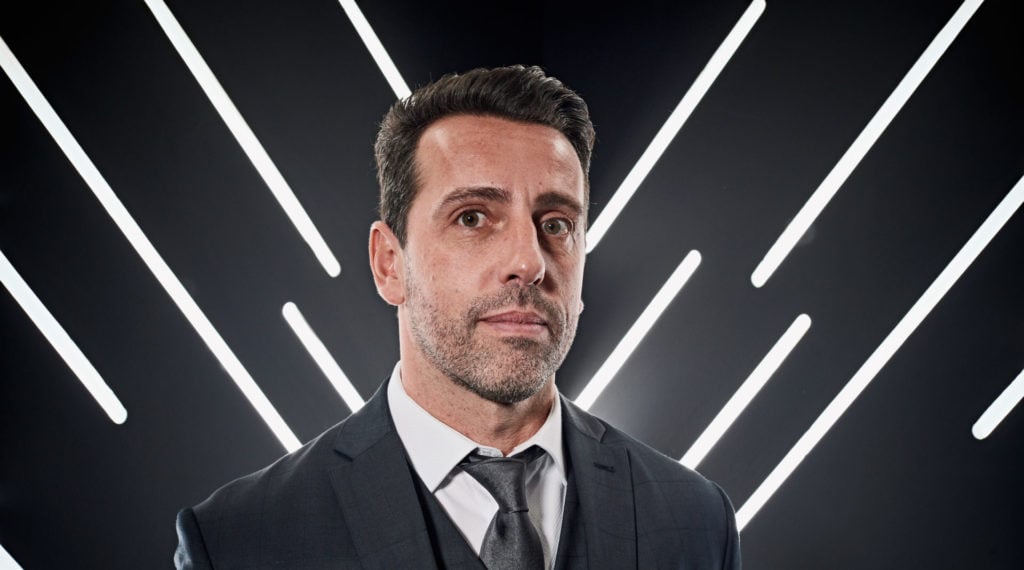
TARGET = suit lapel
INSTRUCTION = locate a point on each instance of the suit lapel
(376, 491)
(605, 491)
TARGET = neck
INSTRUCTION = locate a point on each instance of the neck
(499, 425)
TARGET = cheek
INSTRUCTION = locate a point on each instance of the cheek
(446, 278)
(433, 265)
(572, 270)
(576, 307)
(462, 272)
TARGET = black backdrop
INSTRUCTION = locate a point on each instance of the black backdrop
(898, 482)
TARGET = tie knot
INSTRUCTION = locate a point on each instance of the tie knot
(503, 477)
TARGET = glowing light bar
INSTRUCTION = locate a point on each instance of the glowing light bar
(639, 330)
(131, 230)
(751, 386)
(245, 137)
(675, 122)
(1000, 408)
(380, 55)
(860, 380)
(7, 562)
(61, 342)
(861, 145)
(322, 357)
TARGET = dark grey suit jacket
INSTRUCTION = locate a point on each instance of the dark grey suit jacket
(348, 499)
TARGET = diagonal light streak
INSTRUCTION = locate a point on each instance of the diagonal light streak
(318, 351)
(372, 42)
(7, 562)
(675, 122)
(61, 342)
(999, 409)
(246, 138)
(131, 230)
(862, 144)
(747, 391)
(878, 359)
(639, 330)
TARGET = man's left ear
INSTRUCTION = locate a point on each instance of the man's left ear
(386, 264)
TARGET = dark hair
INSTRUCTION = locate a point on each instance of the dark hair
(516, 93)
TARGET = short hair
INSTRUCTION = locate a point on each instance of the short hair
(517, 93)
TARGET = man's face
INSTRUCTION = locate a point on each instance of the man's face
(493, 262)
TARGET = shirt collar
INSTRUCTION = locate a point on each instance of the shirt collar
(435, 448)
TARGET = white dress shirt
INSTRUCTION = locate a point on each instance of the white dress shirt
(435, 450)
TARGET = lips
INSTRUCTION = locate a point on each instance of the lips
(516, 317)
(516, 323)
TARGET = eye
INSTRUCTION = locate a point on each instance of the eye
(556, 226)
(471, 218)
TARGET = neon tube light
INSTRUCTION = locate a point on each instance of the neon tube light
(999, 409)
(131, 230)
(318, 351)
(878, 359)
(639, 330)
(246, 138)
(7, 562)
(747, 391)
(372, 43)
(675, 122)
(61, 342)
(862, 144)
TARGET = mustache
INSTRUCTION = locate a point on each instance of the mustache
(521, 297)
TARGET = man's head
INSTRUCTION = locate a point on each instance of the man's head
(487, 271)
(517, 93)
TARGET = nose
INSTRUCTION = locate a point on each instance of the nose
(522, 255)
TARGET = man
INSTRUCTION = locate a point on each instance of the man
(467, 456)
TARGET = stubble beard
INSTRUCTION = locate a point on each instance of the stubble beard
(503, 370)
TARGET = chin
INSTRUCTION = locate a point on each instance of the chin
(507, 389)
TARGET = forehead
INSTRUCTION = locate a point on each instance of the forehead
(474, 151)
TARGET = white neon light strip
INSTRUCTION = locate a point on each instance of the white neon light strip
(380, 55)
(639, 330)
(675, 122)
(1000, 408)
(245, 137)
(7, 562)
(746, 393)
(61, 342)
(322, 357)
(131, 230)
(861, 145)
(860, 380)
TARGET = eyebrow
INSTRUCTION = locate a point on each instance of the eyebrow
(500, 195)
(486, 193)
(557, 199)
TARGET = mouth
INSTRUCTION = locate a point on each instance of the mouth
(515, 322)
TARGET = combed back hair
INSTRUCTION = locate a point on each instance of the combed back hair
(517, 93)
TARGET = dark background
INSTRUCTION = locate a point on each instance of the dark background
(899, 481)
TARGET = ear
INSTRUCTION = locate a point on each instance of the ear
(386, 264)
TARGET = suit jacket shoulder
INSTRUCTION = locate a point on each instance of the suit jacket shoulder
(657, 472)
(346, 498)
(288, 504)
(677, 514)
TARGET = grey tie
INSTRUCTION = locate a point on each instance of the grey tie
(511, 542)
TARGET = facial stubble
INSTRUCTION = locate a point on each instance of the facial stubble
(503, 370)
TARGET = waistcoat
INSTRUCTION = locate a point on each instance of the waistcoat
(451, 551)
